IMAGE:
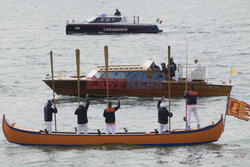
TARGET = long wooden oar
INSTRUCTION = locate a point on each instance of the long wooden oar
(53, 86)
(169, 95)
(78, 73)
(185, 118)
(106, 69)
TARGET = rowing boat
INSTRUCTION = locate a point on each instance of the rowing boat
(22, 136)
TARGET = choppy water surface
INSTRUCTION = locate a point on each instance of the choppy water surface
(218, 34)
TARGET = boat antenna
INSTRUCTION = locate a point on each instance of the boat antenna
(169, 95)
(185, 118)
(53, 85)
(78, 73)
(106, 70)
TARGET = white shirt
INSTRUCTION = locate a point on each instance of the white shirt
(197, 67)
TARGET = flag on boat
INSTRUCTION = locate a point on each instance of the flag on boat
(158, 21)
(238, 109)
(233, 71)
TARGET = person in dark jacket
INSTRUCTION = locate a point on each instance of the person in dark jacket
(163, 115)
(109, 114)
(191, 100)
(82, 118)
(48, 113)
(164, 70)
(117, 13)
(172, 67)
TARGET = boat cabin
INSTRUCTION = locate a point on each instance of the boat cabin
(147, 71)
(108, 19)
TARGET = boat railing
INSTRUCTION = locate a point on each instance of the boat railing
(194, 73)
(124, 19)
(76, 22)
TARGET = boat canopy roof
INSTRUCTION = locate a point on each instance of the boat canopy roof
(146, 66)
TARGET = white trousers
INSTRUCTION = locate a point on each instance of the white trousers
(48, 126)
(192, 109)
(108, 126)
(82, 127)
(163, 127)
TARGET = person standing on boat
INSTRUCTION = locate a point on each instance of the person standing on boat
(197, 70)
(48, 112)
(109, 114)
(197, 65)
(163, 115)
(82, 118)
(191, 97)
(117, 13)
(172, 67)
(164, 70)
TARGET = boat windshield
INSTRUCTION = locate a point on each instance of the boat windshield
(94, 73)
(91, 20)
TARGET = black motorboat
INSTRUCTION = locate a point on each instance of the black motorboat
(110, 24)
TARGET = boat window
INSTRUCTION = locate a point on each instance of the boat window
(117, 20)
(94, 73)
(115, 75)
(157, 76)
(137, 75)
(145, 76)
(103, 20)
(108, 20)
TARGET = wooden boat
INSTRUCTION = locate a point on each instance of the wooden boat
(23, 136)
(110, 24)
(139, 81)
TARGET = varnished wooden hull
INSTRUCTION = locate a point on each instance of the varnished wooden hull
(137, 89)
(22, 136)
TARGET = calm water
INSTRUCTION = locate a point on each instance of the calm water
(218, 34)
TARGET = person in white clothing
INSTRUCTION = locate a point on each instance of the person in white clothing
(197, 69)
(163, 116)
(191, 97)
(197, 65)
(109, 114)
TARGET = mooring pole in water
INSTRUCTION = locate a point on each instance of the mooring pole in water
(53, 85)
(106, 70)
(78, 73)
(169, 95)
